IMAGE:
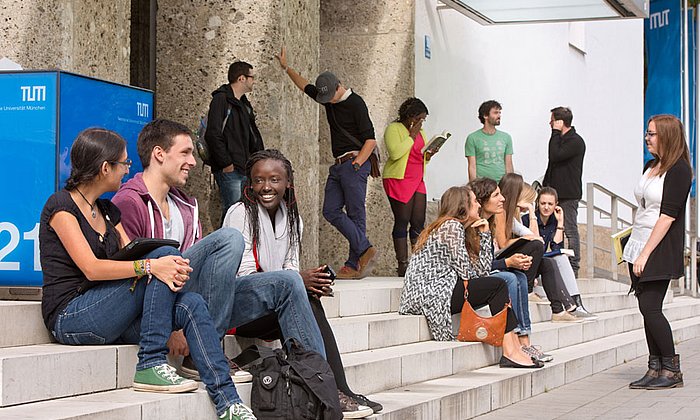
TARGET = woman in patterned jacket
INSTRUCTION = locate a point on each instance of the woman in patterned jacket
(454, 248)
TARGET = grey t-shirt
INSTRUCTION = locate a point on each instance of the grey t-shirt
(175, 227)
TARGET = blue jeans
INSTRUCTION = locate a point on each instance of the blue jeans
(347, 188)
(230, 187)
(111, 313)
(215, 260)
(281, 292)
(517, 289)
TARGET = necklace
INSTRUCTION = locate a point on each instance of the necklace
(92, 206)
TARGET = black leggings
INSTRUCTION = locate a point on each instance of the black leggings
(484, 291)
(412, 212)
(650, 296)
(554, 286)
(268, 328)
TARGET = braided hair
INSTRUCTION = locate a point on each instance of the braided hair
(250, 199)
(410, 108)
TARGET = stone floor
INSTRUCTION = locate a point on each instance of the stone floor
(605, 395)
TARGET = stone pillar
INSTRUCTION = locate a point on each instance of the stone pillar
(90, 38)
(370, 47)
(196, 44)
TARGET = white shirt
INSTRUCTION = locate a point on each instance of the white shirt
(175, 227)
(648, 193)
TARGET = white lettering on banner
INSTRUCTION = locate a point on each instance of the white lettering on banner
(142, 109)
(659, 19)
(32, 235)
(33, 93)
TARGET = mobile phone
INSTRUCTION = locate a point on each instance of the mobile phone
(328, 270)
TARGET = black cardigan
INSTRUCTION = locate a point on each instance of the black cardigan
(666, 260)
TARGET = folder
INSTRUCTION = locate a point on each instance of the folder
(619, 241)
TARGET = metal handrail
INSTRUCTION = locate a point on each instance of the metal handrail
(615, 220)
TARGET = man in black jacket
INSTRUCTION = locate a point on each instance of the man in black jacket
(564, 170)
(232, 135)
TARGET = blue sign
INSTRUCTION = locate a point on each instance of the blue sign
(41, 113)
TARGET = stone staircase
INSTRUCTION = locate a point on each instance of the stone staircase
(387, 356)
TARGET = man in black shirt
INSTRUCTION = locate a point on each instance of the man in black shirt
(352, 143)
(564, 170)
(232, 135)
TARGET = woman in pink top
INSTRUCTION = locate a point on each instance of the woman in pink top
(403, 176)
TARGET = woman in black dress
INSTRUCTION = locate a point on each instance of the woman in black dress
(655, 248)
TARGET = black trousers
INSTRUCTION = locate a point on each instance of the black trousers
(268, 328)
(484, 291)
(554, 286)
(534, 249)
(650, 296)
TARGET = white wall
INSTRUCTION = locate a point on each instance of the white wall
(530, 69)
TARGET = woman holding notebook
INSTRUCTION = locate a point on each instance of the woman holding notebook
(654, 251)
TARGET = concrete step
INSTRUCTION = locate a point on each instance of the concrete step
(421, 361)
(22, 324)
(469, 394)
(375, 295)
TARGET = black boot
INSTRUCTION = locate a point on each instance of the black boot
(579, 302)
(401, 249)
(670, 375)
(652, 373)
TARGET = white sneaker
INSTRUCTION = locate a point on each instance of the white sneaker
(238, 411)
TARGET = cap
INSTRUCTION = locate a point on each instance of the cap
(326, 85)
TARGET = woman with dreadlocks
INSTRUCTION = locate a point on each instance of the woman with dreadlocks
(268, 218)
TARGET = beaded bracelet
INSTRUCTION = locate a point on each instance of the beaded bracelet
(148, 269)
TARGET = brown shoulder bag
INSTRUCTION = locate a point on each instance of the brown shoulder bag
(473, 327)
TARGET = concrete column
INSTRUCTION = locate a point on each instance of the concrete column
(90, 38)
(196, 44)
(370, 47)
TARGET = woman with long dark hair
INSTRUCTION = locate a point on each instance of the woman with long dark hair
(89, 298)
(454, 248)
(268, 217)
(403, 176)
(654, 250)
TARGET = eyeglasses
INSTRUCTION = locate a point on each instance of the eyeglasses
(650, 134)
(126, 163)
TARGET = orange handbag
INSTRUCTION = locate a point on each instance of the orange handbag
(473, 327)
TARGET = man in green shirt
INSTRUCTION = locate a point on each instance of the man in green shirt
(489, 152)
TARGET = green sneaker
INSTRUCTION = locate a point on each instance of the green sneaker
(162, 378)
(238, 411)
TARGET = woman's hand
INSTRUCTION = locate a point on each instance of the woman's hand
(316, 281)
(639, 264)
(559, 215)
(414, 128)
(172, 270)
(482, 225)
(528, 207)
(519, 261)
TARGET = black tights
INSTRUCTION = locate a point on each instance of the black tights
(484, 291)
(268, 328)
(554, 286)
(412, 212)
(650, 295)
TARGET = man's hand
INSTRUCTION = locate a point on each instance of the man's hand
(558, 125)
(282, 58)
(228, 169)
(316, 280)
(178, 344)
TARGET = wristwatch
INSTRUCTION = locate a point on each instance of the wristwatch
(356, 166)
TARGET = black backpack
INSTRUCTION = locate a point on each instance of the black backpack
(293, 385)
(200, 142)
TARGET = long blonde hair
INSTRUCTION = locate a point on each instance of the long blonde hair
(454, 205)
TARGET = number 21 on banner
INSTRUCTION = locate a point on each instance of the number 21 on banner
(32, 235)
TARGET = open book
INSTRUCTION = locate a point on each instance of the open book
(619, 241)
(436, 142)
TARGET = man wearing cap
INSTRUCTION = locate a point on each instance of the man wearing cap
(352, 143)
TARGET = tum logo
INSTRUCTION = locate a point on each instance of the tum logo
(33, 93)
(142, 109)
(659, 19)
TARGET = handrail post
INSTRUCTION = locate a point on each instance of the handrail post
(613, 229)
(590, 230)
